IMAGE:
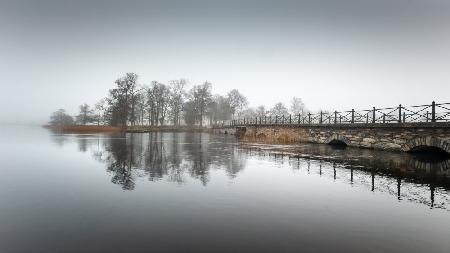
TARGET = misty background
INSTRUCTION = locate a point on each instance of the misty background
(334, 54)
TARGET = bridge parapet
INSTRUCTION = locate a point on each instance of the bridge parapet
(431, 113)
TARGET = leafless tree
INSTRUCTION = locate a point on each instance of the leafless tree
(261, 111)
(60, 118)
(177, 95)
(279, 109)
(85, 115)
(237, 101)
(297, 106)
(219, 109)
(200, 96)
(121, 101)
(100, 108)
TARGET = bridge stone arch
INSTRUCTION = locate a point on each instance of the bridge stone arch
(422, 143)
(338, 139)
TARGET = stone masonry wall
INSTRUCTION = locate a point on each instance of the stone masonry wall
(400, 138)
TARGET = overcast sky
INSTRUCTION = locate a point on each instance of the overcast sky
(334, 54)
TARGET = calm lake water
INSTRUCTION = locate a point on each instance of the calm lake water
(192, 192)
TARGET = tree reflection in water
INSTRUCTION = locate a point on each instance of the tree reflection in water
(164, 155)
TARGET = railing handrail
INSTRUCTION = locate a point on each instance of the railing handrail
(428, 113)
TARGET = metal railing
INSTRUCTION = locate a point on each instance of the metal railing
(434, 112)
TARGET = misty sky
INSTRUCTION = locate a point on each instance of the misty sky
(335, 54)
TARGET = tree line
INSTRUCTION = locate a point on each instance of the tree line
(158, 104)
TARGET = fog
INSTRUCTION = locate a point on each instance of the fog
(335, 54)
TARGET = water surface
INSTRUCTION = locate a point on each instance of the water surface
(192, 192)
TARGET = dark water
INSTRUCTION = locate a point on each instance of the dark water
(185, 192)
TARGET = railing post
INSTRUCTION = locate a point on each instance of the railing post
(299, 118)
(384, 118)
(335, 117)
(276, 119)
(367, 118)
(400, 113)
(290, 119)
(353, 116)
(373, 115)
(433, 112)
(427, 116)
(404, 117)
(321, 115)
(309, 118)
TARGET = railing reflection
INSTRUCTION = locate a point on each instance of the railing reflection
(397, 174)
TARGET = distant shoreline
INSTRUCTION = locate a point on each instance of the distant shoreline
(147, 129)
(84, 129)
(135, 129)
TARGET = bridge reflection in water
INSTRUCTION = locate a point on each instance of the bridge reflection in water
(417, 178)
(177, 157)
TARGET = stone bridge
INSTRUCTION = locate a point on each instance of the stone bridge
(434, 136)
(400, 128)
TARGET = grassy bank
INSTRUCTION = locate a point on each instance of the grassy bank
(84, 129)
(136, 129)
(146, 129)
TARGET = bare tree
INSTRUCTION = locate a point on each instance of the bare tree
(140, 106)
(85, 115)
(189, 113)
(200, 95)
(151, 104)
(297, 106)
(177, 95)
(249, 113)
(60, 118)
(100, 108)
(237, 101)
(261, 111)
(130, 81)
(219, 109)
(279, 109)
(121, 100)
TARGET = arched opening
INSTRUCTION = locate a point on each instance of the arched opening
(429, 154)
(337, 143)
(429, 149)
